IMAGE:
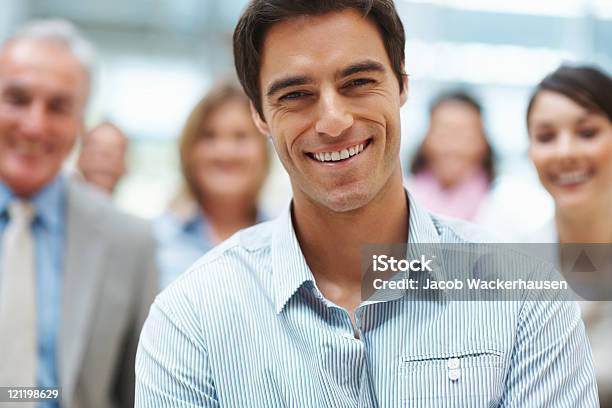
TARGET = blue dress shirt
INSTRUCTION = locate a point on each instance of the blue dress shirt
(181, 242)
(247, 326)
(48, 230)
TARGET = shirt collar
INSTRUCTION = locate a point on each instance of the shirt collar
(424, 238)
(290, 270)
(289, 267)
(48, 202)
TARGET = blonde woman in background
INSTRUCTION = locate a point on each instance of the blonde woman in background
(569, 119)
(224, 163)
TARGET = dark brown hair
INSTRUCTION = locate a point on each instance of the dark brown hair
(260, 15)
(419, 161)
(587, 86)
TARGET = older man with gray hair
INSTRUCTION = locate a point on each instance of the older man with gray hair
(76, 276)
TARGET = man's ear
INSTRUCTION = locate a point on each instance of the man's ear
(260, 123)
(404, 93)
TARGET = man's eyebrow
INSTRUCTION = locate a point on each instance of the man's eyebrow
(363, 66)
(282, 83)
(13, 87)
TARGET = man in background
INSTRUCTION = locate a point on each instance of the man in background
(103, 156)
(76, 276)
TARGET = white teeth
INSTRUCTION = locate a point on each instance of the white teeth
(339, 155)
(572, 177)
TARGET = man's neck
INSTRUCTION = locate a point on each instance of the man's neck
(332, 241)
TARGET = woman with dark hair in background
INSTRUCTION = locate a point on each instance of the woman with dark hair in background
(224, 163)
(569, 119)
(452, 170)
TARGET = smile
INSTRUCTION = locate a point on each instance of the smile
(574, 177)
(340, 155)
(29, 148)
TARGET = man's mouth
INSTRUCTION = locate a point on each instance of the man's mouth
(342, 154)
(29, 148)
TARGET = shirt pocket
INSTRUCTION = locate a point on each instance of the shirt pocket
(466, 378)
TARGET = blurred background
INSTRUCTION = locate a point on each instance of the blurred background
(157, 57)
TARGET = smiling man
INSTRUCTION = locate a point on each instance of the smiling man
(274, 317)
(76, 276)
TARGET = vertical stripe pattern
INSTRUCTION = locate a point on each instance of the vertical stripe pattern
(247, 327)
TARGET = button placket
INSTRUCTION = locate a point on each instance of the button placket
(344, 327)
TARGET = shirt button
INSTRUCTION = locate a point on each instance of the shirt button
(453, 363)
(454, 374)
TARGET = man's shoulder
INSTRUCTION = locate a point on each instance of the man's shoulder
(233, 273)
(246, 241)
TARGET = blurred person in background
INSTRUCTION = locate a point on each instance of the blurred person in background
(76, 276)
(569, 119)
(452, 170)
(224, 163)
(103, 156)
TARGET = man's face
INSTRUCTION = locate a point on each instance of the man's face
(43, 90)
(331, 102)
(103, 156)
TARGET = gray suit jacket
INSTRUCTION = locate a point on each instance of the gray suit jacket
(110, 281)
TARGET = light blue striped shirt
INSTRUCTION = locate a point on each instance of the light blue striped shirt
(246, 326)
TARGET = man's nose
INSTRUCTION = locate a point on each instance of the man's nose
(334, 116)
(34, 121)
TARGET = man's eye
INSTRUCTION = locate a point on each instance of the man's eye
(16, 99)
(59, 107)
(358, 82)
(587, 133)
(293, 96)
